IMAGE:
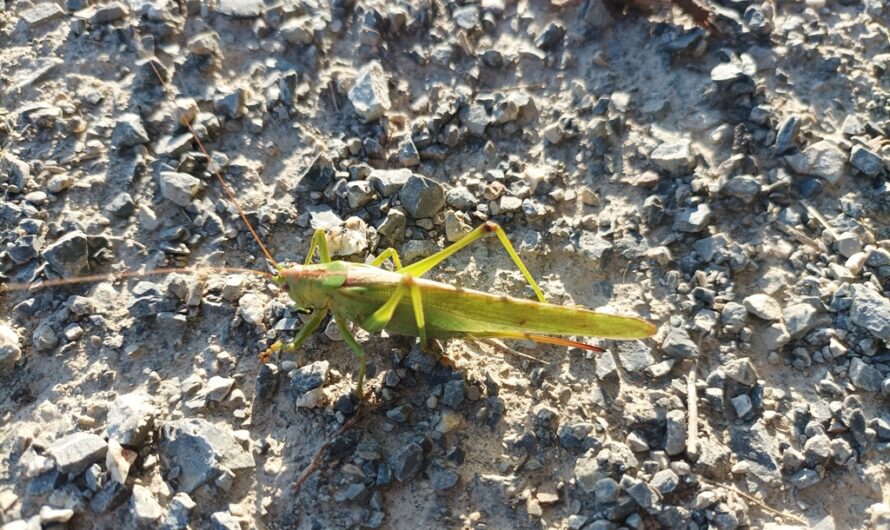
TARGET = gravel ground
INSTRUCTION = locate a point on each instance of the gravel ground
(728, 184)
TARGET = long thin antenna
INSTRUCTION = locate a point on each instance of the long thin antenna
(225, 185)
(112, 276)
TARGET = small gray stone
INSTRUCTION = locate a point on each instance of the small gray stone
(267, 381)
(240, 8)
(224, 521)
(298, 30)
(733, 317)
(640, 492)
(10, 350)
(232, 105)
(864, 376)
(871, 311)
(454, 392)
(461, 198)
(817, 449)
(407, 462)
(634, 355)
(466, 17)
(408, 154)
(69, 255)
(693, 219)
(144, 508)
(787, 134)
(673, 156)
(41, 14)
(177, 517)
(665, 481)
(825, 159)
(218, 388)
(110, 497)
(866, 161)
(129, 131)
(179, 188)
(444, 479)
(422, 197)
(763, 306)
(805, 478)
(771, 338)
(675, 432)
(742, 405)
(848, 243)
(388, 182)
(594, 247)
(202, 451)
(359, 193)
(714, 459)
(741, 371)
(130, 419)
(606, 366)
(742, 187)
(309, 377)
(319, 175)
(393, 227)
(370, 93)
(76, 452)
(800, 319)
(679, 345)
(121, 206)
(550, 36)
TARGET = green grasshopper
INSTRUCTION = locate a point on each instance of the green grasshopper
(402, 302)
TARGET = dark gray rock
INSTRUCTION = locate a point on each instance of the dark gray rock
(742, 187)
(408, 154)
(267, 381)
(443, 479)
(577, 435)
(673, 156)
(817, 450)
(454, 393)
(714, 459)
(871, 311)
(388, 182)
(129, 131)
(233, 104)
(753, 443)
(393, 228)
(741, 371)
(422, 197)
(733, 317)
(179, 188)
(551, 36)
(675, 432)
(407, 462)
(693, 219)
(201, 451)
(130, 419)
(787, 134)
(640, 492)
(461, 198)
(370, 93)
(866, 161)
(359, 193)
(41, 13)
(679, 345)
(121, 206)
(864, 376)
(800, 319)
(309, 377)
(320, 173)
(665, 481)
(606, 367)
(76, 452)
(805, 478)
(110, 497)
(177, 517)
(634, 355)
(69, 255)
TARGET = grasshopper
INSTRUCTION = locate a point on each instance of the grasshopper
(402, 302)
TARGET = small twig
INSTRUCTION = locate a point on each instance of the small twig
(802, 238)
(762, 505)
(815, 214)
(315, 463)
(692, 411)
(494, 343)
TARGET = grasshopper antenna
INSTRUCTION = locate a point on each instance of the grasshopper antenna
(140, 50)
(113, 276)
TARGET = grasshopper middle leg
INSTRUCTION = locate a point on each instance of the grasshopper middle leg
(421, 267)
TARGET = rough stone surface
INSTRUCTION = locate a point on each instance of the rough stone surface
(370, 93)
(201, 451)
(76, 452)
